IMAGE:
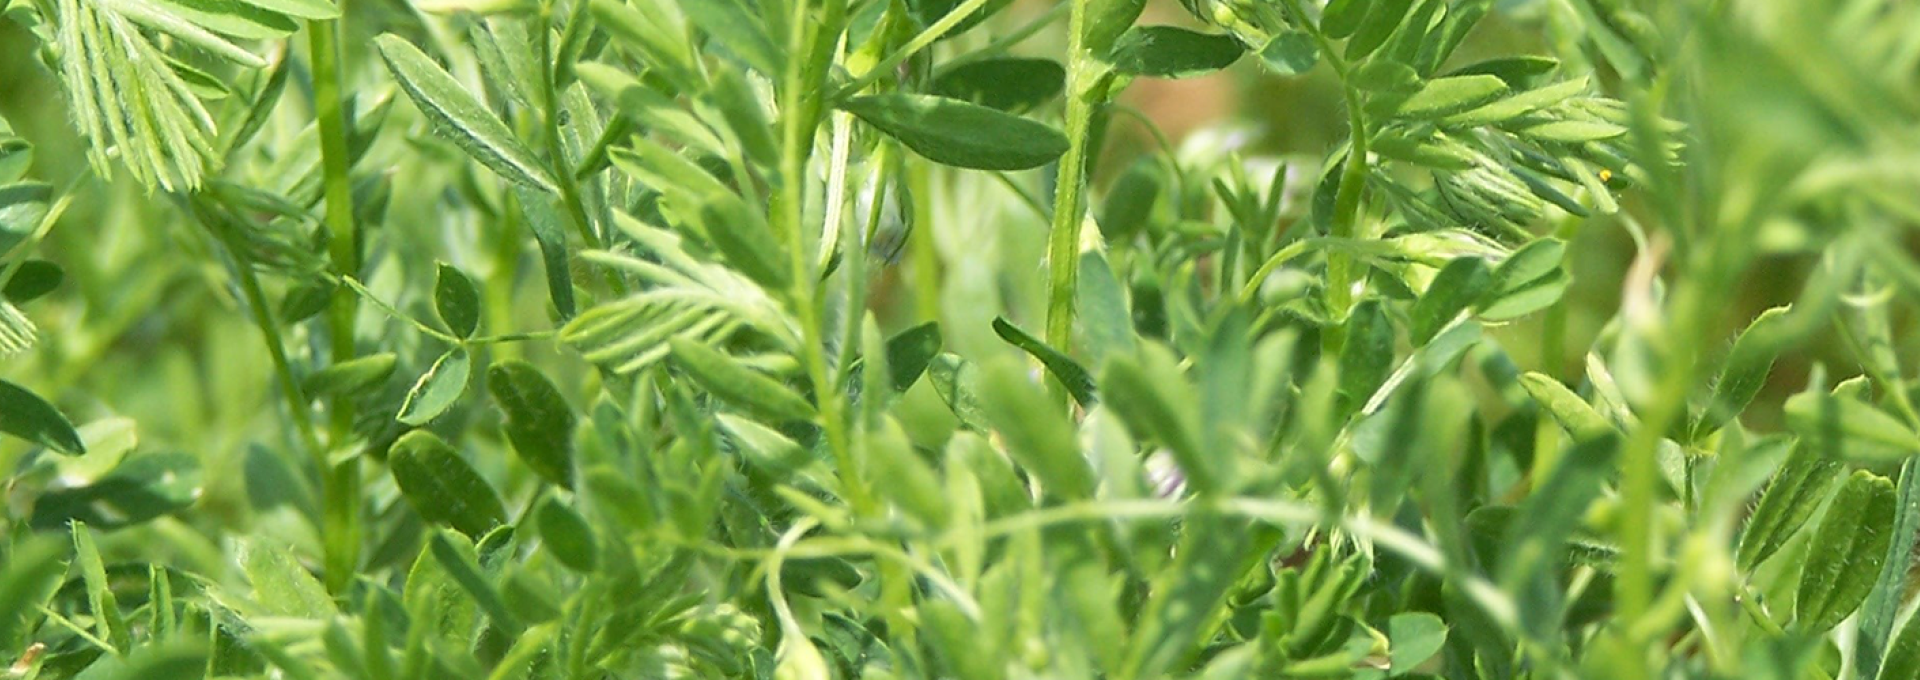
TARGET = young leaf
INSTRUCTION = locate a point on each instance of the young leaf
(539, 422)
(1069, 372)
(1011, 84)
(1173, 52)
(568, 536)
(442, 486)
(1788, 503)
(437, 389)
(457, 301)
(956, 133)
(459, 115)
(1846, 552)
(728, 379)
(27, 416)
(350, 376)
(1745, 372)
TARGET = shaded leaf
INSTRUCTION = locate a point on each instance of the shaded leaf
(960, 134)
(456, 300)
(539, 422)
(442, 486)
(25, 415)
(728, 379)
(1069, 372)
(567, 535)
(1846, 552)
(1174, 52)
(1789, 501)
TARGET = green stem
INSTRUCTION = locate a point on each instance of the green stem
(919, 42)
(576, 208)
(800, 117)
(298, 408)
(1087, 86)
(340, 525)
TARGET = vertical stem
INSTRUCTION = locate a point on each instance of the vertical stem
(340, 487)
(576, 209)
(297, 405)
(1086, 88)
(800, 118)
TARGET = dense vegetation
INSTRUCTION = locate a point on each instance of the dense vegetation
(882, 339)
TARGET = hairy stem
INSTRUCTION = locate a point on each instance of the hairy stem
(1087, 89)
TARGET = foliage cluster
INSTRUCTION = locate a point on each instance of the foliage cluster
(816, 339)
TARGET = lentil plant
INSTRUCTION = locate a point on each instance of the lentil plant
(854, 339)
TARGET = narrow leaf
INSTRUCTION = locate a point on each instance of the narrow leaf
(956, 133)
(1069, 372)
(456, 113)
(1848, 428)
(726, 378)
(25, 415)
(1787, 504)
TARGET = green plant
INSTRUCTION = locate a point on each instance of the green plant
(802, 375)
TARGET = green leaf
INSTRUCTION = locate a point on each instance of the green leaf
(928, 12)
(1037, 433)
(1573, 131)
(1787, 504)
(1069, 372)
(1011, 84)
(1174, 52)
(910, 351)
(1367, 357)
(16, 155)
(1902, 661)
(29, 576)
(350, 376)
(1383, 16)
(457, 114)
(1106, 21)
(1518, 72)
(1849, 429)
(1147, 392)
(281, 586)
(457, 301)
(956, 133)
(738, 29)
(1384, 75)
(34, 279)
(568, 536)
(1445, 96)
(1104, 324)
(140, 489)
(1342, 17)
(1528, 280)
(112, 625)
(1462, 281)
(1517, 105)
(1846, 552)
(232, 18)
(1413, 638)
(542, 215)
(442, 486)
(1291, 52)
(728, 379)
(908, 482)
(437, 389)
(1745, 371)
(1883, 603)
(1573, 414)
(539, 423)
(957, 381)
(462, 569)
(320, 10)
(741, 235)
(27, 416)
